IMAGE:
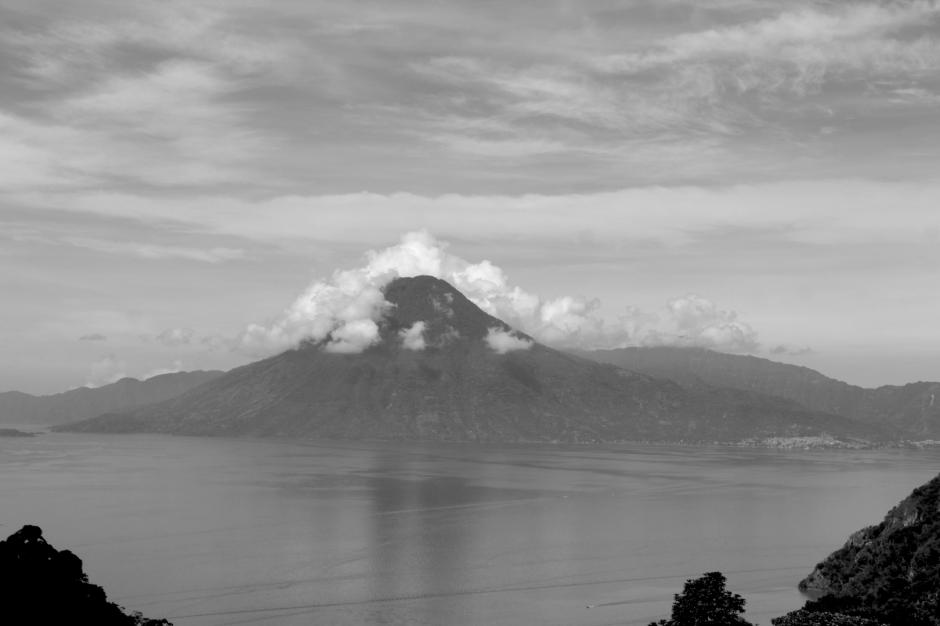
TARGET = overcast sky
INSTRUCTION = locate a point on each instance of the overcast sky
(172, 172)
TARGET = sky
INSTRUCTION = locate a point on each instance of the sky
(179, 179)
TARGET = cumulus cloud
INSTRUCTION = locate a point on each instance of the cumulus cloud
(696, 321)
(93, 337)
(173, 337)
(353, 337)
(413, 338)
(106, 370)
(216, 341)
(502, 341)
(343, 312)
(345, 309)
(784, 349)
(177, 366)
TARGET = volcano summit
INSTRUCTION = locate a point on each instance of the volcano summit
(443, 369)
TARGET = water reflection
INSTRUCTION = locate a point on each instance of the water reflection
(213, 531)
(416, 537)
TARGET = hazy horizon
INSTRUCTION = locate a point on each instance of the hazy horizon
(753, 177)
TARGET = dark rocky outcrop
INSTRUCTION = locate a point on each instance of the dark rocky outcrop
(42, 585)
(459, 389)
(913, 409)
(76, 404)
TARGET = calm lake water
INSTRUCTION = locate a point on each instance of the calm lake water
(216, 531)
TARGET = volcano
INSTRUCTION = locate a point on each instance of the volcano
(443, 369)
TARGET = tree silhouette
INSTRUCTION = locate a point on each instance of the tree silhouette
(705, 602)
(42, 585)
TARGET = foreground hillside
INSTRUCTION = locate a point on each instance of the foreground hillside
(885, 575)
(460, 386)
(22, 408)
(912, 408)
(891, 570)
(42, 585)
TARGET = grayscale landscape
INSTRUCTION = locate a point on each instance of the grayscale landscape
(470, 313)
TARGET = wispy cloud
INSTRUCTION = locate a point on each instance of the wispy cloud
(821, 26)
(173, 95)
(156, 252)
(141, 250)
(146, 98)
(786, 76)
(93, 337)
(42, 155)
(69, 48)
(820, 212)
(798, 51)
(89, 324)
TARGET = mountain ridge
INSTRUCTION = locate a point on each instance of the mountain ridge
(458, 387)
(17, 407)
(913, 408)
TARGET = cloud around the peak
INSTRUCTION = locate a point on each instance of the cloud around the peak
(344, 312)
(412, 338)
(353, 336)
(503, 341)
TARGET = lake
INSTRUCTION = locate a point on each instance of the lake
(234, 531)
